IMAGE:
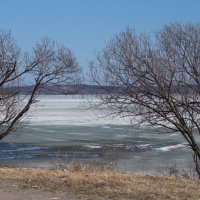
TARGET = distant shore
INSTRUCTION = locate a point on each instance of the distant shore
(23, 183)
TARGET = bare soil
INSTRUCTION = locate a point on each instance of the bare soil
(12, 190)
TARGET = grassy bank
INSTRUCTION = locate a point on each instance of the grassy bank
(103, 185)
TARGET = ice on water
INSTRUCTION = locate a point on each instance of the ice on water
(69, 110)
(62, 123)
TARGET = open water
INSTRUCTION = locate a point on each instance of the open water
(61, 130)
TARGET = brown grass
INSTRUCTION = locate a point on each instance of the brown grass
(104, 184)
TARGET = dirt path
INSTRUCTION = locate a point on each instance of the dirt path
(12, 191)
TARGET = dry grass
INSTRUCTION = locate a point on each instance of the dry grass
(104, 184)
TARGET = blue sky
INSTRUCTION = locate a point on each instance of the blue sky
(86, 25)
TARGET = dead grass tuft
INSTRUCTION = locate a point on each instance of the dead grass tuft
(104, 184)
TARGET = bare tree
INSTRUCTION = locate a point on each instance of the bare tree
(48, 64)
(156, 79)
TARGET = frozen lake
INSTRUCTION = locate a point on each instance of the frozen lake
(63, 129)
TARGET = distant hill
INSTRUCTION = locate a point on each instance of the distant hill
(66, 89)
(83, 89)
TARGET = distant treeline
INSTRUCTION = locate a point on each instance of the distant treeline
(80, 89)
(83, 89)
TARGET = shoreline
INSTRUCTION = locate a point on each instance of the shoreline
(117, 165)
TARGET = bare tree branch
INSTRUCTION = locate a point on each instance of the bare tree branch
(48, 64)
(159, 77)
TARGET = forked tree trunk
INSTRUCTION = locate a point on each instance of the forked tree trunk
(196, 157)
